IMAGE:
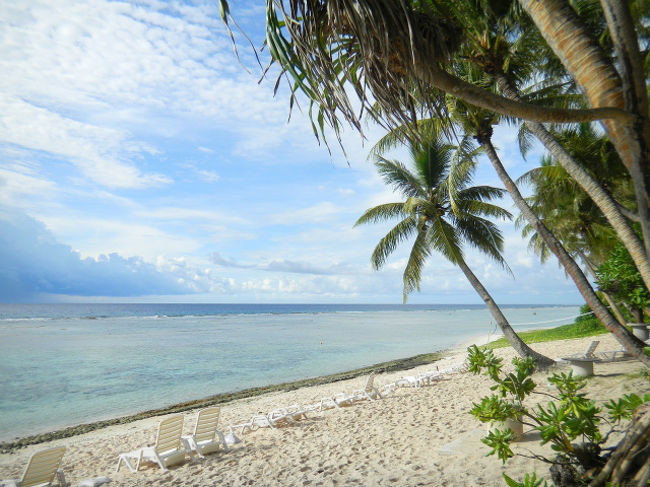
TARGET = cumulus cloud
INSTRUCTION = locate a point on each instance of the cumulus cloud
(33, 263)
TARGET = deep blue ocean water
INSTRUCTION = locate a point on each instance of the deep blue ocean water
(67, 364)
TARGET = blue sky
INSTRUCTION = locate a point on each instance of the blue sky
(139, 161)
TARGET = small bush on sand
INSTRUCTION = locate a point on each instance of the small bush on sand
(571, 423)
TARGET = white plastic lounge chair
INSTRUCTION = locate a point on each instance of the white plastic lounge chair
(297, 411)
(42, 468)
(369, 392)
(206, 437)
(280, 417)
(587, 354)
(408, 381)
(168, 450)
(344, 399)
(614, 355)
(256, 421)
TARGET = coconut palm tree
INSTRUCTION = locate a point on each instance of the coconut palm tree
(398, 56)
(479, 124)
(401, 50)
(442, 212)
(565, 208)
(619, 84)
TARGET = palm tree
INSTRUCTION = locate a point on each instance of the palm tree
(478, 123)
(442, 212)
(398, 58)
(565, 208)
(603, 84)
(401, 51)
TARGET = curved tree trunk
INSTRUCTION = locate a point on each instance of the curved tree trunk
(474, 95)
(595, 191)
(517, 343)
(595, 73)
(622, 334)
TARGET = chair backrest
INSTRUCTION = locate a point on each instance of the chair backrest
(370, 384)
(169, 433)
(206, 424)
(592, 348)
(42, 467)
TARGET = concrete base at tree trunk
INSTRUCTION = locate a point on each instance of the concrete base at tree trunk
(640, 330)
(581, 367)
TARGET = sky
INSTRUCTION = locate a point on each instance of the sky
(141, 162)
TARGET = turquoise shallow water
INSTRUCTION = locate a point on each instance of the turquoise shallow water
(62, 365)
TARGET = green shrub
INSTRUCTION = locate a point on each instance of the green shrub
(570, 423)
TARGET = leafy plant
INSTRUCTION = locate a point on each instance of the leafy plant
(619, 276)
(570, 423)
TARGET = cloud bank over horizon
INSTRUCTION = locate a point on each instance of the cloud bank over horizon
(34, 264)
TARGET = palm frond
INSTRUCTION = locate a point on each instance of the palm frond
(336, 47)
(481, 193)
(525, 139)
(413, 270)
(381, 213)
(445, 239)
(485, 236)
(395, 174)
(387, 245)
(474, 208)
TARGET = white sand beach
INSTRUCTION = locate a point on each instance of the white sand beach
(414, 437)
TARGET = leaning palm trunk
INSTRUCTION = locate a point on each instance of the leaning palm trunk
(517, 343)
(595, 73)
(622, 334)
(596, 192)
(610, 301)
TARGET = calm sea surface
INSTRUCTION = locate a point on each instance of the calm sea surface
(67, 364)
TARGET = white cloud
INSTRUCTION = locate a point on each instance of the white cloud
(97, 236)
(94, 150)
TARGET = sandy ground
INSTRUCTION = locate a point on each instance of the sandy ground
(414, 437)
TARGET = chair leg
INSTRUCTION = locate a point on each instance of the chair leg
(124, 458)
(160, 461)
(222, 439)
(61, 478)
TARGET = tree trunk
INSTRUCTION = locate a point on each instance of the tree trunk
(622, 334)
(474, 95)
(610, 301)
(615, 309)
(629, 463)
(595, 191)
(517, 343)
(588, 64)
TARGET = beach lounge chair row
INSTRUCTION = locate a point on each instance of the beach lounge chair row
(425, 378)
(369, 392)
(171, 447)
(277, 417)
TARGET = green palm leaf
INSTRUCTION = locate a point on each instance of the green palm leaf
(387, 245)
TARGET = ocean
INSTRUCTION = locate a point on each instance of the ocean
(68, 364)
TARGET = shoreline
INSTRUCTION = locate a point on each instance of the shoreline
(411, 436)
(228, 397)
